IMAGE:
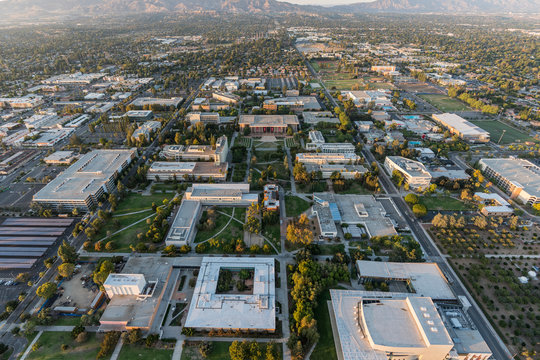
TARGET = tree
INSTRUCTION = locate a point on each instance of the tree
(440, 221)
(47, 290)
(411, 199)
(253, 221)
(419, 210)
(67, 253)
(133, 336)
(205, 348)
(108, 344)
(103, 272)
(480, 222)
(66, 269)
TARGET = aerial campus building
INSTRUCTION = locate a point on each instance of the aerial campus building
(420, 318)
(327, 158)
(83, 183)
(163, 170)
(295, 103)
(269, 124)
(183, 228)
(146, 130)
(331, 209)
(319, 144)
(148, 101)
(229, 194)
(217, 153)
(518, 177)
(463, 128)
(415, 173)
(252, 310)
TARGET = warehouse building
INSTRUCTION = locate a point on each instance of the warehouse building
(463, 128)
(83, 183)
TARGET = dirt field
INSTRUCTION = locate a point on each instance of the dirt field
(421, 88)
(75, 294)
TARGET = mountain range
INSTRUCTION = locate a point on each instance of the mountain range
(43, 8)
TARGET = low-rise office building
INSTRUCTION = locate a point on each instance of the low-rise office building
(348, 172)
(331, 209)
(276, 125)
(415, 172)
(519, 178)
(315, 117)
(294, 103)
(183, 229)
(328, 158)
(494, 205)
(124, 284)
(227, 98)
(187, 171)
(83, 183)
(148, 101)
(217, 154)
(463, 128)
(271, 197)
(229, 194)
(146, 130)
(140, 114)
(60, 158)
(254, 310)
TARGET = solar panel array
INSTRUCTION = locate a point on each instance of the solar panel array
(24, 240)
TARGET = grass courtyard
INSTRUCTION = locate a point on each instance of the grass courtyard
(233, 230)
(294, 206)
(131, 351)
(50, 342)
(444, 103)
(220, 351)
(441, 203)
(496, 128)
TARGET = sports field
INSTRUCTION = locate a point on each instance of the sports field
(496, 128)
(344, 84)
(444, 103)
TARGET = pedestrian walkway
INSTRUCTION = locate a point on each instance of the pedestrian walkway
(117, 349)
(29, 348)
(177, 354)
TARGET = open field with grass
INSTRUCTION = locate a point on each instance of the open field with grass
(136, 202)
(445, 103)
(130, 352)
(232, 231)
(50, 342)
(496, 128)
(344, 84)
(356, 188)
(434, 203)
(294, 206)
(220, 351)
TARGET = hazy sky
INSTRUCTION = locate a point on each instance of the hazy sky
(325, 2)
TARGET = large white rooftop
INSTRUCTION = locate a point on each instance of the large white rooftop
(256, 311)
(426, 278)
(522, 173)
(459, 124)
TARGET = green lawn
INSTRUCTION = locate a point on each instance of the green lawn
(136, 202)
(332, 249)
(496, 128)
(130, 352)
(66, 321)
(50, 342)
(443, 203)
(273, 233)
(220, 351)
(234, 230)
(294, 206)
(445, 103)
(277, 167)
(325, 348)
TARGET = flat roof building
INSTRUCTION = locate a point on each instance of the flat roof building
(463, 128)
(346, 171)
(381, 326)
(187, 171)
(269, 124)
(315, 117)
(83, 183)
(423, 279)
(124, 284)
(295, 103)
(519, 178)
(494, 205)
(146, 130)
(60, 158)
(328, 158)
(140, 114)
(271, 197)
(415, 172)
(183, 228)
(254, 311)
(149, 101)
(365, 210)
(230, 194)
(217, 153)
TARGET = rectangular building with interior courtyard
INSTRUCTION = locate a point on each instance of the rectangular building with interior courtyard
(253, 310)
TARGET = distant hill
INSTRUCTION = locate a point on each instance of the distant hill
(444, 6)
(32, 9)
